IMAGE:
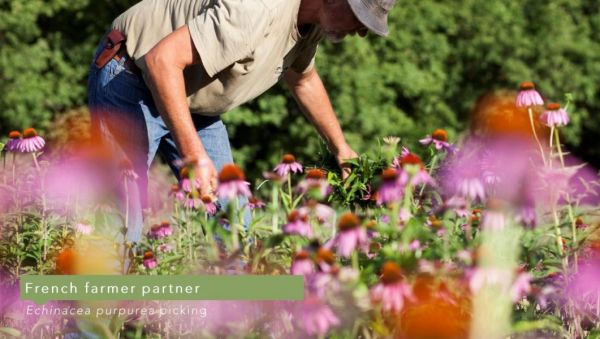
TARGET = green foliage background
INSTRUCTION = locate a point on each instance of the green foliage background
(440, 56)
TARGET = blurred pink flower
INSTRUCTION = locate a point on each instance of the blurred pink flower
(177, 193)
(392, 290)
(160, 231)
(316, 317)
(209, 205)
(84, 228)
(255, 203)
(185, 183)
(149, 260)
(555, 116)
(315, 182)
(165, 248)
(351, 236)
(298, 224)
(288, 165)
(528, 96)
(14, 142)
(322, 212)
(302, 264)
(414, 245)
(521, 286)
(232, 183)
(391, 189)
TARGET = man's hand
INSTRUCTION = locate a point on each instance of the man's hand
(206, 173)
(345, 153)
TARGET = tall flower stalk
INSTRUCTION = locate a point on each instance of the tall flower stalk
(529, 97)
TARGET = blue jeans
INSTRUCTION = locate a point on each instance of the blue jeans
(124, 116)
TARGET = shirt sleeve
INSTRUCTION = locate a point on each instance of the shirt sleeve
(306, 59)
(228, 31)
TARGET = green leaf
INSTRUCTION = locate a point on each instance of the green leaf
(10, 332)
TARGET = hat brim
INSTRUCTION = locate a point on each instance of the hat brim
(377, 25)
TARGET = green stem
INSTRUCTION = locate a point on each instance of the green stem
(535, 134)
(274, 209)
(430, 171)
(568, 197)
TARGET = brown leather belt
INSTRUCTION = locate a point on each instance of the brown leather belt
(114, 48)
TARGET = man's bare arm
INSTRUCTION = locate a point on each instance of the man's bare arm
(310, 93)
(165, 64)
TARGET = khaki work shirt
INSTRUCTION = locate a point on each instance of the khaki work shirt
(245, 45)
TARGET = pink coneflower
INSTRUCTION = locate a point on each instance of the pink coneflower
(471, 188)
(528, 96)
(126, 168)
(192, 201)
(84, 228)
(555, 116)
(232, 183)
(439, 139)
(521, 287)
(165, 248)
(177, 192)
(322, 212)
(315, 182)
(255, 203)
(160, 231)
(316, 317)
(31, 141)
(288, 165)
(302, 264)
(14, 142)
(149, 260)
(392, 290)
(185, 183)
(298, 224)
(412, 171)
(527, 215)
(325, 259)
(414, 245)
(459, 205)
(391, 189)
(209, 205)
(350, 237)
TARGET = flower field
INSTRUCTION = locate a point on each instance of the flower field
(491, 234)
